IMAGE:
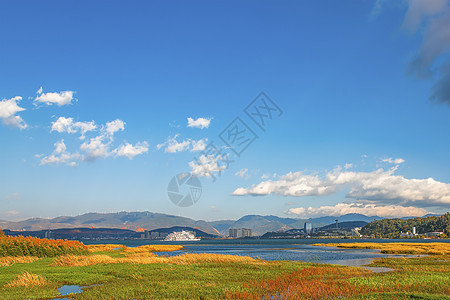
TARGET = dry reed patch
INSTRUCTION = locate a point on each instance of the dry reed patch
(27, 279)
(145, 248)
(10, 260)
(309, 283)
(153, 248)
(105, 247)
(212, 258)
(81, 260)
(150, 258)
(398, 248)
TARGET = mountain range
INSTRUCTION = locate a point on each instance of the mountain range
(140, 221)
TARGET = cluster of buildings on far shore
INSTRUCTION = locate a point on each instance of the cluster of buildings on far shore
(414, 234)
(239, 233)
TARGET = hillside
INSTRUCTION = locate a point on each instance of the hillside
(392, 228)
(345, 225)
(122, 220)
(138, 221)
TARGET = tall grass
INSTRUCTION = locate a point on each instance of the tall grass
(398, 248)
(10, 260)
(31, 246)
(27, 279)
(318, 282)
(145, 248)
(150, 258)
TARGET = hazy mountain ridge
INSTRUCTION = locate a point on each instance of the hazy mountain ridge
(121, 220)
(150, 221)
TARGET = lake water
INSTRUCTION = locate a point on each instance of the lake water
(276, 249)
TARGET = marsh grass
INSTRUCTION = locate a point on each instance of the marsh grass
(149, 258)
(27, 279)
(125, 249)
(10, 260)
(398, 248)
(315, 282)
(143, 274)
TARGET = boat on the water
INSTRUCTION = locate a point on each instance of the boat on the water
(182, 236)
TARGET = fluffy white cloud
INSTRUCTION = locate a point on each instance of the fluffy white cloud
(131, 151)
(8, 110)
(378, 186)
(391, 160)
(96, 148)
(172, 145)
(199, 145)
(69, 126)
(358, 208)
(60, 99)
(114, 126)
(199, 123)
(207, 165)
(61, 156)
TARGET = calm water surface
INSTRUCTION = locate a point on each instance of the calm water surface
(276, 249)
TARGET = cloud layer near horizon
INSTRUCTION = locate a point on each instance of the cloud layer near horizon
(379, 187)
(389, 211)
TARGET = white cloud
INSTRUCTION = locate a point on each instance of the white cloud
(131, 151)
(358, 208)
(391, 160)
(242, 173)
(8, 109)
(378, 186)
(114, 126)
(207, 166)
(96, 148)
(199, 123)
(61, 156)
(199, 145)
(15, 121)
(67, 125)
(60, 99)
(172, 145)
(39, 91)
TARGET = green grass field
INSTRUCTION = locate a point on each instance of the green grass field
(214, 278)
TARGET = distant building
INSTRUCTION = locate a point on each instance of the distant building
(414, 231)
(307, 227)
(153, 235)
(239, 232)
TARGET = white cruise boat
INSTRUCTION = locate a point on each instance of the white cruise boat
(182, 236)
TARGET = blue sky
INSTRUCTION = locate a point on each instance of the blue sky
(357, 84)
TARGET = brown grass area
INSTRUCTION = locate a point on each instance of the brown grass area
(153, 248)
(318, 282)
(10, 260)
(27, 279)
(150, 258)
(103, 247)
(145, 248)
(398, 248)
